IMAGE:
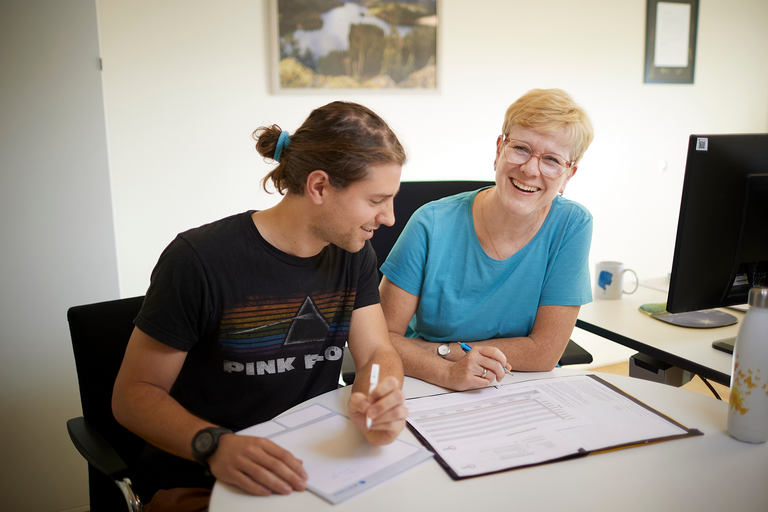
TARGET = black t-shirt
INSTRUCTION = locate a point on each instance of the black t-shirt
(264, 330)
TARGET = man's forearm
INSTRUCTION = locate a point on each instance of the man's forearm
(389, 363)
(152, 414)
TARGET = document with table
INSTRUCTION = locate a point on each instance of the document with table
(510, 426)
(338, 459)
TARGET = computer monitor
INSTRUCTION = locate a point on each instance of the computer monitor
(721, 249)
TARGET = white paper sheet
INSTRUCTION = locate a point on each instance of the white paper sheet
(673, 28)
(339, 461)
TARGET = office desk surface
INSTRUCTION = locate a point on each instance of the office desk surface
(709, 472)
(690, 349)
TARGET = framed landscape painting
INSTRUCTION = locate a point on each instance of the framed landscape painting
(354, 44)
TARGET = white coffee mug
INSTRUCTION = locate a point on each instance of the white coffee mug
(609, 280)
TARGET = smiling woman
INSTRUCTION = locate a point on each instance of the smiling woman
(503, 269)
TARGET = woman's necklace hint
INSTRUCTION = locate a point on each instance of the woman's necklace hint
(490, 237)
(485, 226)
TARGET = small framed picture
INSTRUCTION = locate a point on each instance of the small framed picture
(670, 41)
(328, 45)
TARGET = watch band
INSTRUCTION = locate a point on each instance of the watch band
(205, 443)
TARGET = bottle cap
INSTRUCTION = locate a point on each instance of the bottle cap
(758, 297)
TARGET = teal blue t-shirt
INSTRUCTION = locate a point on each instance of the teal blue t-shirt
(464, 294)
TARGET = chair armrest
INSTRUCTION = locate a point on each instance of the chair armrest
(95, 449)
(575, 354)
(100, 454)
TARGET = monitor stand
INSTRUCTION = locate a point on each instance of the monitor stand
(704, 319)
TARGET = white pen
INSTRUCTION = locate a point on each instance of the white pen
(374, 383)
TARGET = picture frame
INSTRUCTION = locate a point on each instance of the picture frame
(319, 46)
(670, 41)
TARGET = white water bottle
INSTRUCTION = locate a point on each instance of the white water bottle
(748, 408)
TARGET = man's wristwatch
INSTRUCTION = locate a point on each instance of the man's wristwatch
(205, 443)
(443, 350)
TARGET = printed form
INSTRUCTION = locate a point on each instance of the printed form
(338, 459)
(507, 426)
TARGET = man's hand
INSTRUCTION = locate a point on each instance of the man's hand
(467, 372)
(385, 406)
(257, 465)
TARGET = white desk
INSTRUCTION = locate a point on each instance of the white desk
(709, 472)
(690, 349)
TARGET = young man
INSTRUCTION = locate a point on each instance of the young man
(248, 316)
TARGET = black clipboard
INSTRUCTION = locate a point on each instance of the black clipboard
(579, 452)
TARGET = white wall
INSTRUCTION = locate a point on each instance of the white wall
(186, 82)
(57, 247)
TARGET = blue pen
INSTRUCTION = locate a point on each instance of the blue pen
(467, 348)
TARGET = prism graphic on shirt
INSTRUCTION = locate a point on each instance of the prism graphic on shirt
(300, 326)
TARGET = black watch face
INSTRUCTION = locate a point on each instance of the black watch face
(203, 442)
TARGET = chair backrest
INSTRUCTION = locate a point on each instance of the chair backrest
(412, 195)
(100, 334)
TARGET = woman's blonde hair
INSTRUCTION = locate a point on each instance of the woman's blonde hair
(551, 110)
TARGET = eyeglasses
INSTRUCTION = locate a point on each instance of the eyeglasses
(519, 152)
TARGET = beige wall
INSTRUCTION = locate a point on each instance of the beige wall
(186, 82)
(57, 245)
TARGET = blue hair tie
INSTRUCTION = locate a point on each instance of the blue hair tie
(282, 142)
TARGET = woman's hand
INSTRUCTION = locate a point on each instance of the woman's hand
(477, 368)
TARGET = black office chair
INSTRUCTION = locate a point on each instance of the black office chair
(414, 194)
(100, 334)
